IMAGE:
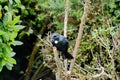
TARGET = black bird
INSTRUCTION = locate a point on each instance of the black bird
(61, 43)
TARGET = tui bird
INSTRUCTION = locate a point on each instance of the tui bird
(61, 43)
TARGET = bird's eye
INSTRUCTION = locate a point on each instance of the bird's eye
(55, 36)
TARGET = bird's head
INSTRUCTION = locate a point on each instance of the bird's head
(55, 38)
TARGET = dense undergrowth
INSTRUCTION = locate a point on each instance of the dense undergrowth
(33, 21)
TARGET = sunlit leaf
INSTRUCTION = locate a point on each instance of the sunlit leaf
(6, 8)
(11, 60)
(15, 20)
(9, 66)
(2, 63)
(5, 37)
(18, 1)
(7, 49)
(19, 26)
(18, 42)
(11, 54)
(11, 1)
(1, 32)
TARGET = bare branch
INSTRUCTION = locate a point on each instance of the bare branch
(65, 33)
(58, 64)
(66, 18)
(30, 64)
(103, 73)
(82, 25)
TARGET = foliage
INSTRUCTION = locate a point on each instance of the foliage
(100, 44)
(9, 28)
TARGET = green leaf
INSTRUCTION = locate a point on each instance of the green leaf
(7, 49)
(19, 26)
(1, 32)
(11, 60)
(0, 41)
(30, 31)
(12, 35)
(2, 63)
(6, 8)
(11, 54)
(15, 20)
(18, 42)
(1, 24)
(22, 34)
(22, 7)
(1, 53)
(9, 15)
(17, 1)
(41, 17)
(5, 37)
(112, 4)
(9, 66)
(11, 1)
(0, 7)
(5, 19)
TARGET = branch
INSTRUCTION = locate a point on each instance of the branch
(103, 73)
(80, 33)
(34, 77)
(65, 34)
(66, 17)
(57, 60)
(32, 56)
(30, 64)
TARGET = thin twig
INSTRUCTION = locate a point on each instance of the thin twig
(82, 25)
(36, 72)
(103, 73)
(66, 17)
(81, 28)
(65, 34)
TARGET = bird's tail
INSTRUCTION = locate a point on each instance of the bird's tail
(67, 55)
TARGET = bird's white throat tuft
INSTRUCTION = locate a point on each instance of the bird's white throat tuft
(56, 41)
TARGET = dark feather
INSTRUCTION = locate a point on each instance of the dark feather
(61, 43)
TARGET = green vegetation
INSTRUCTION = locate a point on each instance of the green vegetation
(9, 27)
(25, 29)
